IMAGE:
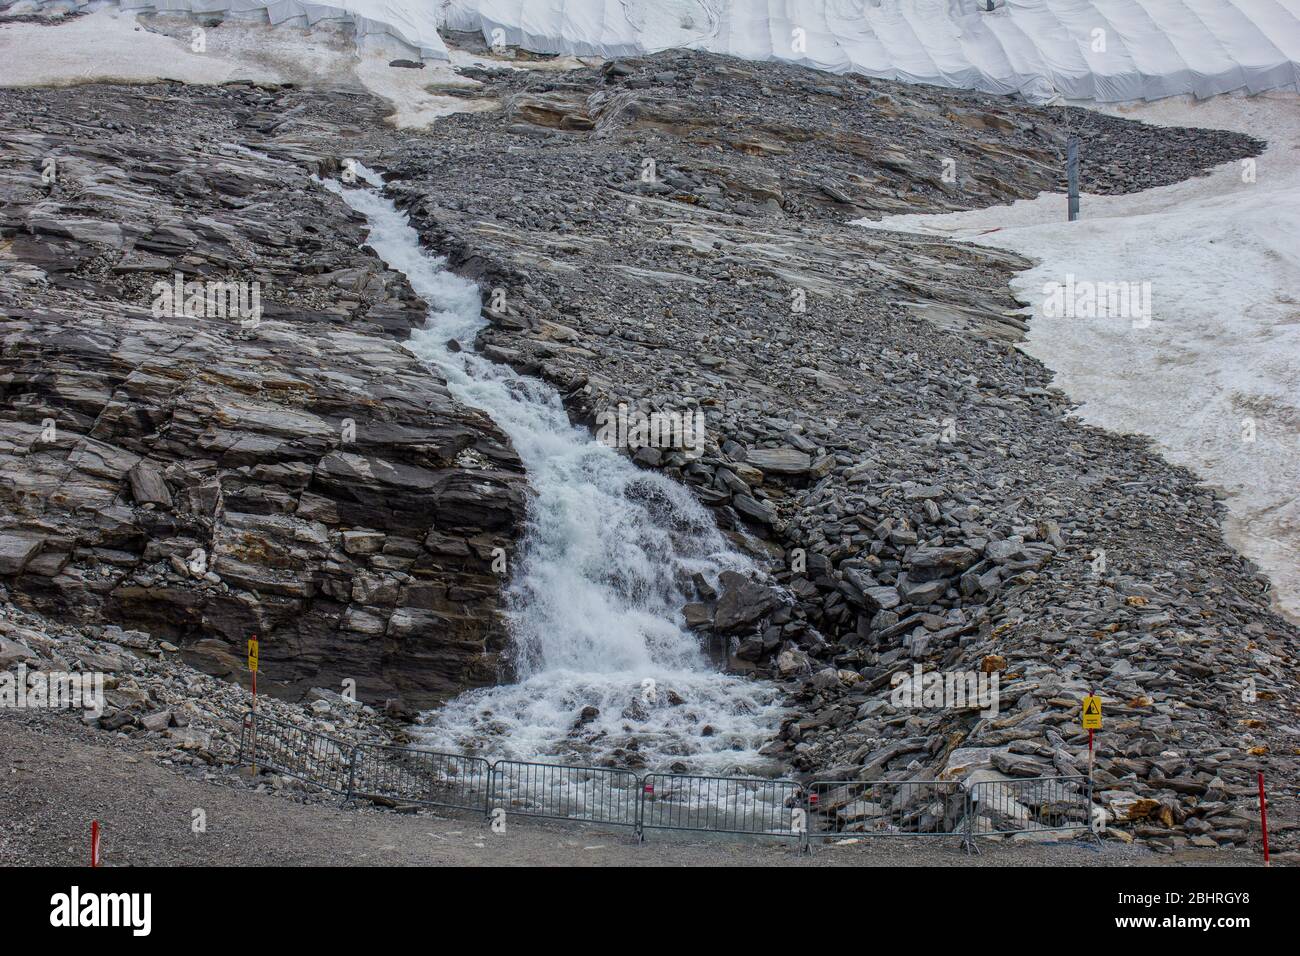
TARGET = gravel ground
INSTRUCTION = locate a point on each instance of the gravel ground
(60, 775)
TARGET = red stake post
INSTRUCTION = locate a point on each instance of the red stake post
(1263, 815)
(94, 843)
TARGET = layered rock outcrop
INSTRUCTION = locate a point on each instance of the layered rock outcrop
(296, 474)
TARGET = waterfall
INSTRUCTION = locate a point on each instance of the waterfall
(603, 570)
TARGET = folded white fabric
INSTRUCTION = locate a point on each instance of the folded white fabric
(1104, 50)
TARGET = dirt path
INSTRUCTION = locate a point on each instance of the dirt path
(58, 775)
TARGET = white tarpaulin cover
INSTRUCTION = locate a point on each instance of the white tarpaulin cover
(1105, 50)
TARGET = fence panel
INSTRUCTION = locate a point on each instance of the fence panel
(561, 792)
(422, 776)
(740, 805)
(306, 754)
(885, 808)
(749, 805)
(1030, 805)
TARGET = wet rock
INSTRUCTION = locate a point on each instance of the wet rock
(743, 603)
(697, 615)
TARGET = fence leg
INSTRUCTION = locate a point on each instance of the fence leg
(352, 775)
(243, 736)
(806, 837)
(1092, 833)
(968, 831)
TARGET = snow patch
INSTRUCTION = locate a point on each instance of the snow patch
(401, 27)
(110, 45)
(1215, 377)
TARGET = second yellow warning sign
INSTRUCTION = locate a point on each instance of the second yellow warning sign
(1092, 713)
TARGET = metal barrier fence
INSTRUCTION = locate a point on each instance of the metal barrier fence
(753, 806)
(421, 776)
(559, 792)
(1031, 805)
(747, 805)
(886, 808)
(306, 754)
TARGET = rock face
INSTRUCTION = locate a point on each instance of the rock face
(306, 480)
(670, 234)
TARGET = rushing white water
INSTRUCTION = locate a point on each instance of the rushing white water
(604, 569)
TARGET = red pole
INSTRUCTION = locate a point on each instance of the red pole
(94, 843)
(1263, 815)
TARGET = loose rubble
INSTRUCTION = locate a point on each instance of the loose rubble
(192, 721)
(872, 430)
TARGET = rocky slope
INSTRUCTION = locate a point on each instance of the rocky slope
(669, 233)
(306, 480)
(193, 722)
(921, 488)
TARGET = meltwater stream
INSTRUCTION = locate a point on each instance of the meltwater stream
(594, 604)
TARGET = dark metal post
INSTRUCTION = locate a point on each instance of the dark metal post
(639, 832)
(1072, 173)
(968, 831)
(352, 773)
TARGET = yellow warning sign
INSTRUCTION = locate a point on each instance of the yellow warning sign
(252, 654)
(1092, 713)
